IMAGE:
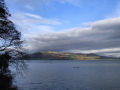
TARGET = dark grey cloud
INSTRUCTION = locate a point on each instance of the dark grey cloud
(101, 35)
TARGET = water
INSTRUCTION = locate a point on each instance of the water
(70, 75)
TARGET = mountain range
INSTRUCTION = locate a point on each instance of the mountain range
(50, 55)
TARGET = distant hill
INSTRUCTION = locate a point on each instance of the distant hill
(62, 56)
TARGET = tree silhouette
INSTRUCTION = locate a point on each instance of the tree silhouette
(10, 43)
(9, 36)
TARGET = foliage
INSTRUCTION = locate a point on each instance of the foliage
(9, 36)
(10, 39)
(10, 44)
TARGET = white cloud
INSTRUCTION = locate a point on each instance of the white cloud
(72, 2)
(33, 15)
(33, 18)
(29, 7)
(32, 24)
(32, 4)
(100, 50)
(112, 54)
(116, 12)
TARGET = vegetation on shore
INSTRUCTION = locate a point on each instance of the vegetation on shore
(62, 56)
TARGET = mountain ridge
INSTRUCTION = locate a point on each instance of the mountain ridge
(51, 55)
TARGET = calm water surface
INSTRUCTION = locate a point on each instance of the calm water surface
(70, 75)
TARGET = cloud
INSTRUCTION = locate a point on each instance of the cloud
(31, 24)
(114, 52)
(33, 15)
(101, 36)
(37, 4)
(105, 50)
(115, 12)
(35, 19)
(29, 7)
(72, 2)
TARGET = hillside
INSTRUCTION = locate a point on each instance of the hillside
(62, 56)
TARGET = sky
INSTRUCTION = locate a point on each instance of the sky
(78, 26)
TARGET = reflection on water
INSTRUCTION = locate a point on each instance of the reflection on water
(6, 82)
(6, 76)
(70, 75)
